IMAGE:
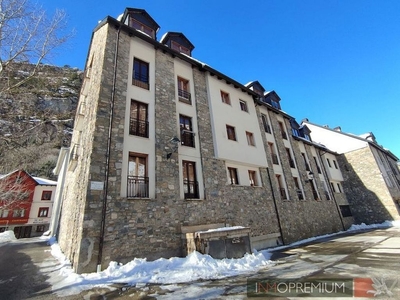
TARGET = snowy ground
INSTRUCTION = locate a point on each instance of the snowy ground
(167, 272)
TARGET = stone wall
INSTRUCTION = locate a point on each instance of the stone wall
(369, 198)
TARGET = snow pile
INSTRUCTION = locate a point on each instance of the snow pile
(385, 224)
(162, 271)
(195, 266)
(7, 236)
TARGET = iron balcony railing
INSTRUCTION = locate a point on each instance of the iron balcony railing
(300, 194)
(187, 138)
(184, 95)
(141, 80)
(275, 160)
(190, 189)
(139, 128)
(283, 193)
(138, 187)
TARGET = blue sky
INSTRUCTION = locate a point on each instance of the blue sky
(336, 63)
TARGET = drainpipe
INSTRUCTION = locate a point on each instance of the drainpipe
(330, 188)
(275, 206)
(106, 176)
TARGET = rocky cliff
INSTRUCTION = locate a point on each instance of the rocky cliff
(36, 118)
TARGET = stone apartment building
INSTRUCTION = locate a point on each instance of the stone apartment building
(165, 146)
(371, 176)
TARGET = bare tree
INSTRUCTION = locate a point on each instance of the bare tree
(28, 35)
(15, 190)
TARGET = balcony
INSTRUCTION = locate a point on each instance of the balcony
(300, 194)
(141, 80)
(284, 135)
(274, 159)
(315, 194)
(282, 192)
(184, 96)
(187, 138)
(139, 128)
(191, 189)
(138, 187)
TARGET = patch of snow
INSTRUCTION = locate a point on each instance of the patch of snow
(7, 236)
(170, 272)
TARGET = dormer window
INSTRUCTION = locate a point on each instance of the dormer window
(141, 27)
(177, 47)
(177, 41)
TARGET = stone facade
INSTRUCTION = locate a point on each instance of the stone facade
(370, 199)
(100, 224)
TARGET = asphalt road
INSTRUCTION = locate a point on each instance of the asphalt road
(27, 268)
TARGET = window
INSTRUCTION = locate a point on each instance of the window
(243, 105)
(233, 177)
(295, 132)
(253, 178)
(43, 212)
(283, 132)
(40, 228)
(178, 47)
(138, 182)
(339, 187)
(329, 162)
(282, 190)
(298, 189)
(183, 90)
(139, 26)
(250, 138)
(274, 157)
(225, 98)
(230, 131)
(318, 168)
(46, 195)
(139, 124)
(345, 210)
(264, 119)
(140, 73)
(335, 164)
(187, 135)
(3, 213)
(18, 213)
(333, 187)
(305, 161)
(190, 185)
(314, 190)
(291, 161)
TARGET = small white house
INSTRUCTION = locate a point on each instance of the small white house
(42, 206)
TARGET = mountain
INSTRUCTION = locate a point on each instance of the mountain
(36, 118)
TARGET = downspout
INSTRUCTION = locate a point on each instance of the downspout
(330, 188)
(106, 175)
(275, 206)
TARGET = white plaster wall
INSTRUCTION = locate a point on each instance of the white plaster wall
(38, 203)
(334, 140)
(184, 70)
(223, 114)
(144, 52)
(333, 173)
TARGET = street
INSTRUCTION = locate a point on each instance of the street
(28, 269)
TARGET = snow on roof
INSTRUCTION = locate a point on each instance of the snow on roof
(43, 181)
